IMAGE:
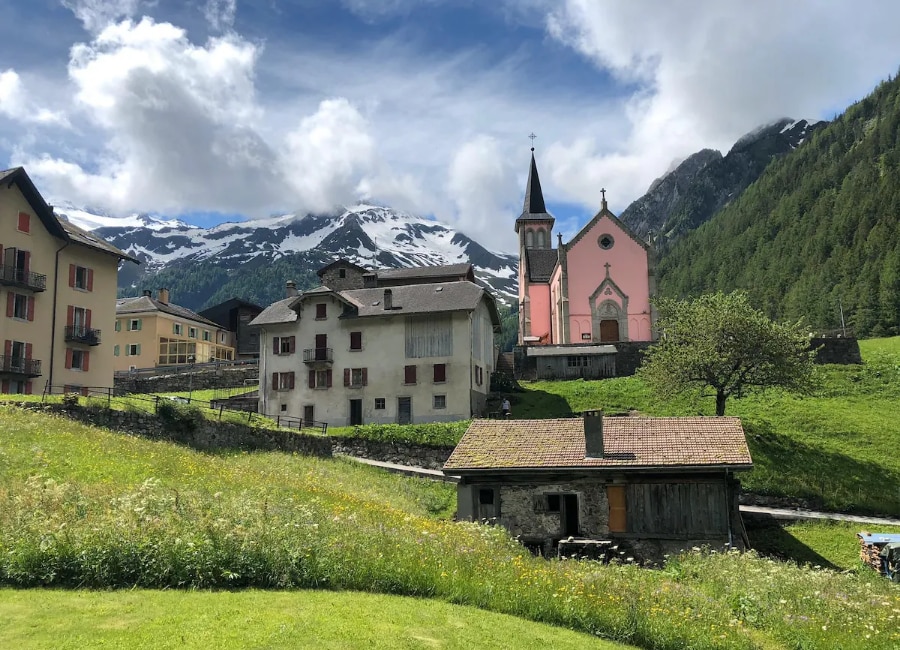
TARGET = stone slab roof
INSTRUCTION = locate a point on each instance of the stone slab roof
(141, 304)
(540, 262)
(460, 269)
(416, 298)
(277, 312)
(86, 238)
(629, 443)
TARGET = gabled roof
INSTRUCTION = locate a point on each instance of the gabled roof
(634, 443)
(276, 313)
(604, 211)
(421, 299)
(57, 227)
(341, 262)
(142, 304)
(461, 269)
(540, 262)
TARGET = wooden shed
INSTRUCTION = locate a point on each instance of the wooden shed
(662, 484)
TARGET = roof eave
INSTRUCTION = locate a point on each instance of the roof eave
(637, 469)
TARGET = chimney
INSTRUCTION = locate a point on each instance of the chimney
(148, 293)
(593, 434)
(163, 295)
(388, 299)
(290, 289)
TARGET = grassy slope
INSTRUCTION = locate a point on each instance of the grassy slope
(302, 619)
(837, 448)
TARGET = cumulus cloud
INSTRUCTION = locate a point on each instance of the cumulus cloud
(705, 72)
(15, 103)
(95, 15)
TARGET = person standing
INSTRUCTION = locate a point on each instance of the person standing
(504, 407)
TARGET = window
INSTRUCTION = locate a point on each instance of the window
(205, 335)
(192, 332)
(342, 273)
(177, 352)
(409, 374)
(580, 361)
(24, 224)
(356, 340)
(134, 325)
(282, 381)
(19, 306)
(178, 329)
(553, 502)
(133, 350)
(115, 350)
(283, 345)
(440, 401)
(319, 379)
(77, 359)
(479, 375)
(440, 373)
(379, 403)
(606, 242)
(81, 278)
(321, 313)
(284, 408)
(356, 377)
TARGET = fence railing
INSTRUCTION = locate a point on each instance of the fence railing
(311, 355)
(121, 399)
(20, 366)
(21, 278)
(78, 334)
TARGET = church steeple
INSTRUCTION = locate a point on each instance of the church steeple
(534, 197)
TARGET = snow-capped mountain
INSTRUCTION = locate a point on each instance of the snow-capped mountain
(217, 260)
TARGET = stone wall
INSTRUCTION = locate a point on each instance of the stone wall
(205, 436)
(836, 350)
(393, 452)
(200, 380)
(521, 510)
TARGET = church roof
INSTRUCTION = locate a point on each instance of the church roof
(534, 207)
(604, 211)
(539, 263)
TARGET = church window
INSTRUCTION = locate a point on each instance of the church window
(606, 242)
(529, 238)
(541, 240)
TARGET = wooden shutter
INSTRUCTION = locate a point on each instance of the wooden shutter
(276, 345)
(440, 372)
(138, 349)
(71, 275)
(140, 322)
(311, 380)
(30, 308)
(87, 319)
(90, 279)
(328, 378)
(24, 222)
(10, 304)
(85, 360)
(292, 344)
(29, 389)
(26, 263)
(69, 358)
(291, 380)
(70, 316)
(615, 495)
(274, 381)
(346, 376)
(356, 340)
(365, 376)
(409, 375)
(7, 348)
(28, 350)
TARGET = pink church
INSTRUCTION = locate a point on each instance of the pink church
(595, 289)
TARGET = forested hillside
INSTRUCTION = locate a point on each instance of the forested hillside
(818, 229)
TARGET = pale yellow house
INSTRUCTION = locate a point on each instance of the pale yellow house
(57, 293)
(152, 332)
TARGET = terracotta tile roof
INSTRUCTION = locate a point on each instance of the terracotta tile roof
(629, 442)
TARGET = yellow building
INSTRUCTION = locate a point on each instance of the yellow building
(58, 288)
(152, 332)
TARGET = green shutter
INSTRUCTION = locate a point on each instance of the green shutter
(118, 325)
(139, 349)
(116, 348)
(139, 324)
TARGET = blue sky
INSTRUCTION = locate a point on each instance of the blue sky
(225, 109)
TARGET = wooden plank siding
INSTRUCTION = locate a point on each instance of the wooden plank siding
(690, 509)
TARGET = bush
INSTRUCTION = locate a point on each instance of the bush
(181, 418)
(70, 400)
(432, 433)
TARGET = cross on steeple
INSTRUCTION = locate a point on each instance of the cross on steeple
(603, 193)
(532, 137)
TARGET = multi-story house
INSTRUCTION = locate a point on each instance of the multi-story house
(234, 316)
(152, 332)
(58, 285)
(416, 352)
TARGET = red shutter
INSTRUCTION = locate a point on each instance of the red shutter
(68, 357)
(409, 375)
(30, 308)
(29, 389)
(87, 319)
(10, 304)
(274, 381)
(70, 316)
(440, 372)
(85, 361)
(276, 345)
(4, 386)
(24, 222)
(7, 348)
(292, 344)
(346, 376)
(365, 376)
(328, 378)
(28, 350)
(311, 381)
(90, 279)
(71, 275)
(26, 263)
(291, 380)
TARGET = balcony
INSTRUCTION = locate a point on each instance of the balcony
(13, 276)
(19, 366)
(318, 355)
(86, 335)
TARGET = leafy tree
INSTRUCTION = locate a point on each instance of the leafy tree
(721, 342)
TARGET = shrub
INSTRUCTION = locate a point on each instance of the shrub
(431, 433)
(181, 418)
(70, 400)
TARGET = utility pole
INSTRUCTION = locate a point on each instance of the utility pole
(843, 328)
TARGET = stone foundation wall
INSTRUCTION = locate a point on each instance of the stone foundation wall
(523, 514)
(393, 452)
(836, 350)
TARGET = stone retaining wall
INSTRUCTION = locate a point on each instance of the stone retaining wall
(201, 380)
(393, 452)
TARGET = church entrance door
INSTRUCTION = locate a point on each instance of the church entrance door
(609, 330)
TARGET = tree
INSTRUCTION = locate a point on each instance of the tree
(721, 342)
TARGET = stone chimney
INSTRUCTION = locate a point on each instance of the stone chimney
(290, 289)
(593, 434)
(388, 299)
(148, 293)
(163, 295)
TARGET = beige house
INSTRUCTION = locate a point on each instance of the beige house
(152, 332)
(416, 352)
(58, 289)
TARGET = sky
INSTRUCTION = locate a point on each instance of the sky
(214, 110)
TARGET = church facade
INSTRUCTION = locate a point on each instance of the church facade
(588, 294)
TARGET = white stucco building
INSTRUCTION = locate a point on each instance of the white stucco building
(414, 346)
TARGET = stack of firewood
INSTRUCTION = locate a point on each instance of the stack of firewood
(869, 553)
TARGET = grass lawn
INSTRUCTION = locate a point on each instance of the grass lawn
(39, 618)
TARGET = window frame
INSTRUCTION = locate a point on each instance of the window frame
(20, 299)
(80, 355)
(439, 402)
(131, 324)
(409, 371)
(321, 311)
(358, 336)
(380, 403)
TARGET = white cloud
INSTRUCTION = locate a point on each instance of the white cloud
(95, 15)
(15, 103)
(708, 71)
(220, 14)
